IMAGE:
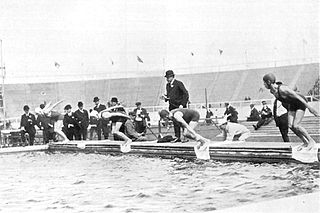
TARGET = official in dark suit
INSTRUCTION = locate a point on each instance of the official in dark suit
(177, 96)
(70, 124)
(280, 115)
(82, 117)
(27, 123)
(102, 123)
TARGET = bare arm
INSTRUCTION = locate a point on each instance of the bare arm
(178, 116)
(289, 92)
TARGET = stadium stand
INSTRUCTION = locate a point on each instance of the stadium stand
(221, 87)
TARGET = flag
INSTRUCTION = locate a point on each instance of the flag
(192, 54)
(112, 63)
(220, 51)
(56, 64)
(139, 59)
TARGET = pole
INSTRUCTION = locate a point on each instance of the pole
(206, 97)
(3, 73)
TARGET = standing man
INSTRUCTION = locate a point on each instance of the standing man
(102, 124)
(82, 117)
(177, 96)
(141, 118)
(280, 115)
(70, 124)
(27, 123)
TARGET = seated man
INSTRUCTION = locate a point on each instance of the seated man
(254, 114)
(130, 129)
(186, 118)
(266, 116)
(231, 113)
(230, 130)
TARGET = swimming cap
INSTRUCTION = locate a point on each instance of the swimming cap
(163, 113)
(269, 77)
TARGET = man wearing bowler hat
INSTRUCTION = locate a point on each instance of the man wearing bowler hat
(102, 124)
(177, 96)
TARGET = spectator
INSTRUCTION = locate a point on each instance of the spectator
(209, 115)
(265, 116)
(141, 118)
(231, 113)
(82, 117)
(232, 130)
(69, 123)
(27, 123)
(130, 129)
(280, 115)
(254, 114)
(177, 96)
(102, 123)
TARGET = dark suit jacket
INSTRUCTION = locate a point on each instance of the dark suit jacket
(82, 118)
(177, 94)
(100, 108)
(254, 115)
(233, 114)
(28, 123)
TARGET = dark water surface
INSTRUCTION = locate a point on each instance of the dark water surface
(78, 182)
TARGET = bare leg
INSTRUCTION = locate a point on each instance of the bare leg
(115, 130)
(194, 135)
(58, 129)
(302, 132)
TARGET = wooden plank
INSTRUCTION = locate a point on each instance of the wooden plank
(234, 151)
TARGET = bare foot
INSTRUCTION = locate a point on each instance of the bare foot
(127, 142)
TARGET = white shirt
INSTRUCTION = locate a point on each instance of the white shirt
(233, 129)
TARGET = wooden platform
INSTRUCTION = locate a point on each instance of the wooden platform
(8, 150)
(270, 152)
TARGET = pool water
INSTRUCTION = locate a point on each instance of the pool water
(78, 182)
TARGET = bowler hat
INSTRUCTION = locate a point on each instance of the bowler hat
(95, 99)
(26, 107)
(264, 102)
(114, 99)
(169, 73)
(67, 107)
(138, 103)
(80, 104)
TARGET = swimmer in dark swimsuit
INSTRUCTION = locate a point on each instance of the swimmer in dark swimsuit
(297, 105)
(188, 119)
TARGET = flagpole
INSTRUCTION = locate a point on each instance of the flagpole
(275, 56)
(304, 49)
(246, 58)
